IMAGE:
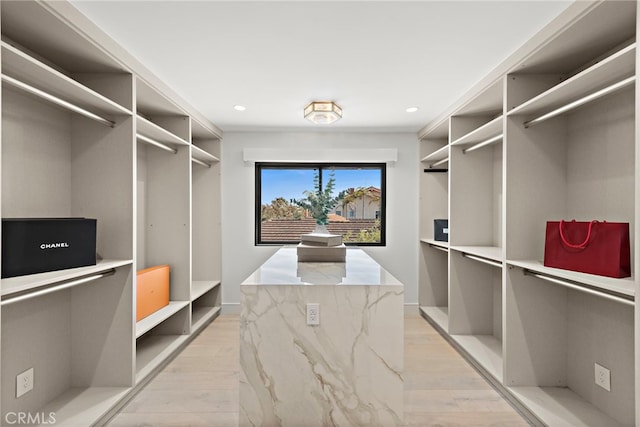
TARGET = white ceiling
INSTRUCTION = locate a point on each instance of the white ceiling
(374, 58)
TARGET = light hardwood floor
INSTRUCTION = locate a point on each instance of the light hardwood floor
(199, 387)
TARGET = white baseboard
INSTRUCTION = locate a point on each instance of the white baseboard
(230, 308)
(412, 309)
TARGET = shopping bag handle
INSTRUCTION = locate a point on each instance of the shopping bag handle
(578, 246)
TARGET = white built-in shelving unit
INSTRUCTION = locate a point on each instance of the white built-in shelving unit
(549, 135)
(87, 131)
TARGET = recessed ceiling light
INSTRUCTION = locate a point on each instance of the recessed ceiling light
(412, 109)
(239, 107)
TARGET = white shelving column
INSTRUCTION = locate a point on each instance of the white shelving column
(434, 204)
(88, 131)
(163, 215)
(551, 134)
(76, 126)
(206, 226)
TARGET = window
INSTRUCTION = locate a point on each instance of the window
(356, 190)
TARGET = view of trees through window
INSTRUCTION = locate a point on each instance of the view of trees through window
(352, 195)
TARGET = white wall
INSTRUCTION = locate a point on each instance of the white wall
(240, 256)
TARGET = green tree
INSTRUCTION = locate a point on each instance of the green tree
(319, 201)
(370, 235)
(280, 208)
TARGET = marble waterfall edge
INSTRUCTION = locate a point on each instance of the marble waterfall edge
(345, 372)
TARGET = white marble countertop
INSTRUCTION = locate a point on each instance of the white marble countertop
(283, 268)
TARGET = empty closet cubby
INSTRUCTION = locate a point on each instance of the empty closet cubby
(475, 309)
(554, 337)
(476, 184)
(206, 229)
(434, 283)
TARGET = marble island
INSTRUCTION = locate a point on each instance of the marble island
(346, 371)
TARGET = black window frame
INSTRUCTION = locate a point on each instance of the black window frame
(259, 166)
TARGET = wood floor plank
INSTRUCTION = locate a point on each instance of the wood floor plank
(199, 388)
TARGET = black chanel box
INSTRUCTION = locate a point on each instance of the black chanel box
(37, 245)
(441, 230)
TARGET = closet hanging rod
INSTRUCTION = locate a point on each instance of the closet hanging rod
(57, 288)
(55, 100)
(577, 103)
(439, 162)
(200, 162)
(440, 248)
(483, 260)
(482, 144)
(156, 143)
(580, 288)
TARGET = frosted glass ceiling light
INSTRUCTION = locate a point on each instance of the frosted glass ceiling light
(322, 112)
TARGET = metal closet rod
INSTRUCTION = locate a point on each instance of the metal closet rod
(580, 288)
(156, 143)
(483, 260)
(482, 144)
(575, 104)
(64, 285)
(200, 162)
(55, 100)
(440, 248)
(439, 162)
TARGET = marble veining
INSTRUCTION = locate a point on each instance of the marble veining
(347, 371)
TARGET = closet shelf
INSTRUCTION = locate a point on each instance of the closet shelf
(493, 253)
(151, 130)
(77, 405)
(202, 132)
(440, 154)
(57, 288)
(145, 325)
(36, 282)
(439, 315)
(440, 131)
(614, 68)
(201, 287)
(607, 285)
(561, 406)
(199, 154)
(22, 67)
(201, 315)
(153, 351)
(436, 244)
(483, 133)
(582, 101)
(486, 350)
(55, 100)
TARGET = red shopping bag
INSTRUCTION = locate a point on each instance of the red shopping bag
(589, 247)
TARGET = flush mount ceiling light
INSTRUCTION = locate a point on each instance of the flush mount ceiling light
(239, 107)
(411, 109)
(322, 112)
